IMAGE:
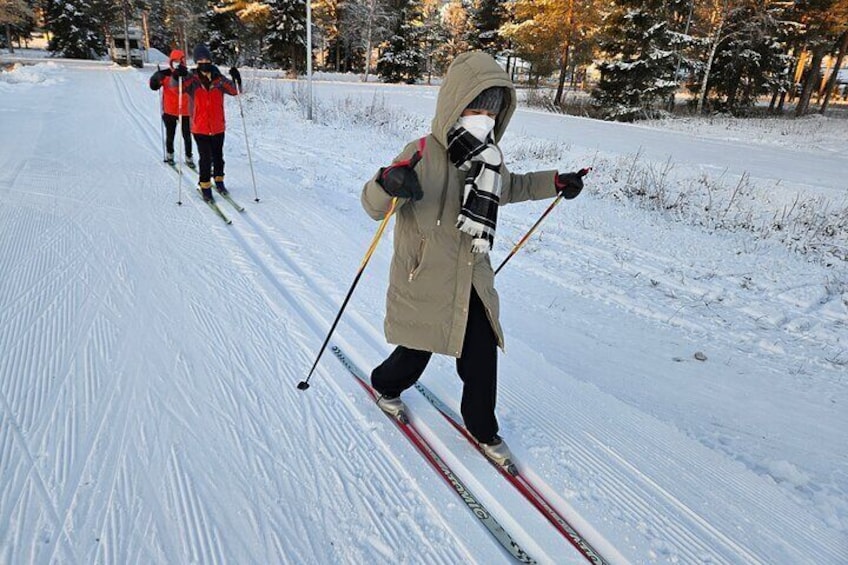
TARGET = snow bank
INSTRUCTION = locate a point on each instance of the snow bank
(41, 74)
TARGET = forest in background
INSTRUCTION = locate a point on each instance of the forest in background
(631, 56)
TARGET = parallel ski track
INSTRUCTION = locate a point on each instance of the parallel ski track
(639, 501)
(181, 493)
(313, 317)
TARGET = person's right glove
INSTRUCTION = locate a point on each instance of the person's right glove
(400, 181)
(569, 184)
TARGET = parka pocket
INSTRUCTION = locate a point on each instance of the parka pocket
(419, 259)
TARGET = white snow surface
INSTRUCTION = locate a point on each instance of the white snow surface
(149, 353)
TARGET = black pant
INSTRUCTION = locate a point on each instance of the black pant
(211, 150)
(477, 367)
(171, 130)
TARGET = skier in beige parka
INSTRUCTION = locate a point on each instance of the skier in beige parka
(441, 296)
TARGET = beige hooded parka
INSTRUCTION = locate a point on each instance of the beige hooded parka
(433, 267)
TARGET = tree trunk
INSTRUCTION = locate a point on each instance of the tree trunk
(369, 40)
(565, 51)
(702, 94)
(9, 38)
(563, 69)
(831, 82)
(810, 82)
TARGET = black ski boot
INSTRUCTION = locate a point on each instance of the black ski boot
(206, 193)
(219, 186)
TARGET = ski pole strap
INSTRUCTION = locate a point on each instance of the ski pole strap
(411, 161)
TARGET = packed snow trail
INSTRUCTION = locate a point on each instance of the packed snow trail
(150, 355)
(146, 414)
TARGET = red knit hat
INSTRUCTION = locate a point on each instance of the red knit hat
(177, 55)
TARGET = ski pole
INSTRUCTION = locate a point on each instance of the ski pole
(523, 240)
(161, 114)
(303, 385)
(247, 144)
(180, 143)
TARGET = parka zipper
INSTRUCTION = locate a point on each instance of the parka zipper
(443, 197)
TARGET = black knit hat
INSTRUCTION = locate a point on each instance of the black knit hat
(491, 99)
(202, 52)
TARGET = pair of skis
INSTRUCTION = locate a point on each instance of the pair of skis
(211, 203)
(522, 484)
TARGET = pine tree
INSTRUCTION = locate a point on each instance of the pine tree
(751, 61)
(638, 70)
(486, 18)
(285, 42)
(403, 59)
(223, 31)
(76, 29)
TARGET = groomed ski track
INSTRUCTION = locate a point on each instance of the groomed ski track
(181, 436)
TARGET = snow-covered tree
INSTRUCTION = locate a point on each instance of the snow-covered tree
(285, 41)
(223, 35)
(403, 59)
(751, 59)
(76, 29)
(486, 18)
(366, 24)
(435, 35)
(240, 41)
(639, 59)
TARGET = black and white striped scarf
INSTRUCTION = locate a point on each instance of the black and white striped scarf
(481, 162)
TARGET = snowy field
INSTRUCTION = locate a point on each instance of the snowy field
(676, 366)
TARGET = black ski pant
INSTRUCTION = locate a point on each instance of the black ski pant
(211, 151)
(477, 367)
(171, 130)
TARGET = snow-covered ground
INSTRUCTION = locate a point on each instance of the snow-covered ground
(149, 353)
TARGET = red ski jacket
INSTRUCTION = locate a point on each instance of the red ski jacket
(170, 94)
(207, 108)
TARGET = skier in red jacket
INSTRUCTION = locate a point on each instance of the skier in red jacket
(206, 86)
(172, 108)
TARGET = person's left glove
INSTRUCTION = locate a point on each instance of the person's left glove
(181, 71)
(236, 76)
(569, 185)
(214, 72)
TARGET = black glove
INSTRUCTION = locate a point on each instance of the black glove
(569, 184)
(400, 181)
(156, 79)
(236, 76)
(215, 72)
(181, 71)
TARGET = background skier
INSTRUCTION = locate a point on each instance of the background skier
(173, 109)
(441, 296)
(206, 86)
